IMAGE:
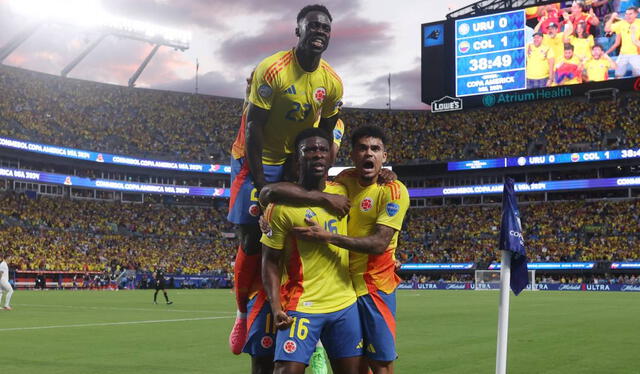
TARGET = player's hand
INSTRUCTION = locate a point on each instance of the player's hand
(313, 232)
(282, 321)
(265, 228)
(337, 204)
(385, 176)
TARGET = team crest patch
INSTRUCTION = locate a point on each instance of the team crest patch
(265, 91)
(67, 181)
(254, 210)
(392, 209)
(290, 346)
(366, 204)
(266, 342)
(319, 94)
(100, 157)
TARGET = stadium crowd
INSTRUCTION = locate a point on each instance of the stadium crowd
(559, 231)
(61, 234)
(187, 127)
(46, 233)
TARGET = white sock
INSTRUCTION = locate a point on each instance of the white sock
(7, 301)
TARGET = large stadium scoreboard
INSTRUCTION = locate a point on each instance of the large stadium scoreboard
(490, 54)
(482, 61)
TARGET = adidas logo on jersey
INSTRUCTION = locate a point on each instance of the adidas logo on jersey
(291, 90)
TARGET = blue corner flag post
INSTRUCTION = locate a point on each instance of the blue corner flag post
(513, 268)
(511, 238)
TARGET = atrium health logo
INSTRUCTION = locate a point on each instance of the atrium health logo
(489, 100)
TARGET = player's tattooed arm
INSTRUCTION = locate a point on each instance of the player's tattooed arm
(254, 143)
(271, 259)
(291, 193)
(374, 244)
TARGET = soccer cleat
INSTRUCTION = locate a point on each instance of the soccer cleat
(238, 335)
(155, 303)
(169, 302)
(318, 363)
(7, 308)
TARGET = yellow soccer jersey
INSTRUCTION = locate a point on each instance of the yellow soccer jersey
(370, 206)
(622, 28)
(296, 99)
(556, 44)
(538, 61)
(581, 46)
(597, 70)
(316, 278)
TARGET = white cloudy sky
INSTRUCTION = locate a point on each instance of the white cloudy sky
(370, 39)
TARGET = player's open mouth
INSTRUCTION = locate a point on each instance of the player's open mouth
(367, 165)
(317, 42)
(318, 167)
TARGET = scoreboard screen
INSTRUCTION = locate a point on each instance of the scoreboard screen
(483, 58)
(490, 54)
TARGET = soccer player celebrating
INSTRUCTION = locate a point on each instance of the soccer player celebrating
(318, 299)
(375, 219)
(290, 91)
(160, 282)
(5, 287)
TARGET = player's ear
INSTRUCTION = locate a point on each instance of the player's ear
(297, 32)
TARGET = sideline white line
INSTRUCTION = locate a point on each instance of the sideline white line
(169, 309)
(111, 323)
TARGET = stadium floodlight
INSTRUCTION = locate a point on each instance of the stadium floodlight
(91, 14)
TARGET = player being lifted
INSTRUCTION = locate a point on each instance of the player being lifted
(290, 91)
(318, 299)
(375, 219)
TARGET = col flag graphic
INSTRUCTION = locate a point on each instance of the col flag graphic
(511, 238)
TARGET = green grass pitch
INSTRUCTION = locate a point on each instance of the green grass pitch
(92, 332)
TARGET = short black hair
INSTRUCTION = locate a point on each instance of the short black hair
(597, 46)
(634, 8)
(313, 8)
(310, 133)
(568, 46)
(367, 131)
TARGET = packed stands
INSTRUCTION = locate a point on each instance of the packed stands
(559, 231)
(186, 127)
(46, 233)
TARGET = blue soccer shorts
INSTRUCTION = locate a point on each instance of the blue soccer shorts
(378, 315)
(243, 200)
(340, 332)
(261, 332)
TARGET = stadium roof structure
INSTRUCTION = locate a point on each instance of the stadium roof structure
(88, 14)
(490, 6)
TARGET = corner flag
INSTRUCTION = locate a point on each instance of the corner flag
(511, 238)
